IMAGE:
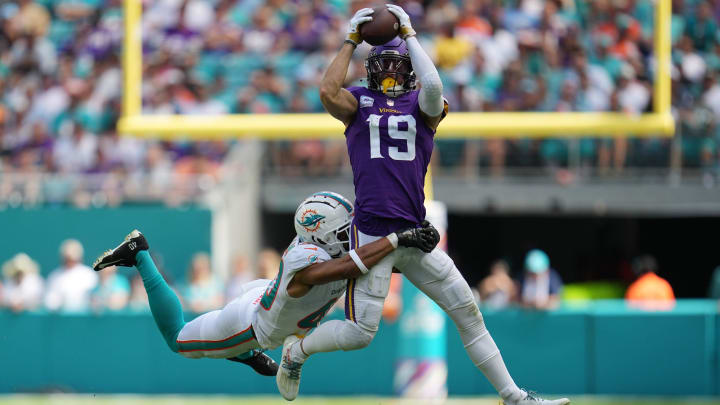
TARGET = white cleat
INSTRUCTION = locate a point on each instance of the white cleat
(288, 375)
(531, 399)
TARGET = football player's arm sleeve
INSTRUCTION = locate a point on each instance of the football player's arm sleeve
(430, 97)
(339, 102)
(344, 268)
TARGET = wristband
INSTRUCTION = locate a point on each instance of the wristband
(354, 256)
(407, 32)
(393, 238)
(351, 42)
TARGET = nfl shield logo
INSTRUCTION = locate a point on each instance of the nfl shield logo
(390, 102)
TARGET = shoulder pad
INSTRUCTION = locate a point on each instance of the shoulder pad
(302, 255)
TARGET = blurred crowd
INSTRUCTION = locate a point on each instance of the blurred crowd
(60, 83)
(73, 287)
(539, 286)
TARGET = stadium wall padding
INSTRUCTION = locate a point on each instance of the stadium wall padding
(174, 234)
(603, 348)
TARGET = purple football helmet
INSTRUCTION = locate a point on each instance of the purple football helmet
(390, 60)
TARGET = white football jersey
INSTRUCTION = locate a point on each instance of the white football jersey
(280, 315)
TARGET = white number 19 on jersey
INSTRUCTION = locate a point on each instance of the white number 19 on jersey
(393, 132)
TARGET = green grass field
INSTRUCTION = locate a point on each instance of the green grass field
(224, 400)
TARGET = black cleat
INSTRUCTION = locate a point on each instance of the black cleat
(260, 362)
(124, 254)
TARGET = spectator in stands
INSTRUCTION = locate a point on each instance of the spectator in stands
(23, 286)
(714, 288)
(30, 18)
(203, 292)
(241, 273)
(69, 286)
(76, 151)
(59, 66)
(497, 290)
(138, 300)
(268, 263)
(112, 292)
(540, 285)
(649, 291)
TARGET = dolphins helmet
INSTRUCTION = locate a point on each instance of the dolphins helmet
(323, 219)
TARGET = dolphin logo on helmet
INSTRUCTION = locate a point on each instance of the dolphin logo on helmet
(310, 220)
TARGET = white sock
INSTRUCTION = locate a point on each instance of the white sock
(485, 354)
(321, 340)
(483, 351)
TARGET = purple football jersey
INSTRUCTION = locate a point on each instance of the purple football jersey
(389, 146)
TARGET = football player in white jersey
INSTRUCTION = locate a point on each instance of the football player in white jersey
(312, 276)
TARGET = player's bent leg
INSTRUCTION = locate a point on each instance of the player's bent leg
(227, 333)
(334, 336)
(164, 304)
(364, 299)
(288, 375)
(435, 275)
(224, 333)
(327, 337)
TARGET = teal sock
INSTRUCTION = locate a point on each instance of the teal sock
(246, 355)
(164, 304)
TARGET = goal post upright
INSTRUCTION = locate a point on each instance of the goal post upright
(132, 60)
(662, 50)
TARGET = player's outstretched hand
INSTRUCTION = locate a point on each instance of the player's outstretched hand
(406, 29)
(361, 16)
(425, 238)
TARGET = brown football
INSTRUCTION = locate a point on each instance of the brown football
(383, 27)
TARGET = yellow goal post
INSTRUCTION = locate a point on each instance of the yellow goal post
(457, 125)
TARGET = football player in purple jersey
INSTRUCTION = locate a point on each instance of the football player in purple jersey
(389, 128)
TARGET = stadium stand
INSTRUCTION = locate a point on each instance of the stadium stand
(60, 82)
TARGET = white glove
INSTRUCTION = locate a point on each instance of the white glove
(362, 16)
(406, 30)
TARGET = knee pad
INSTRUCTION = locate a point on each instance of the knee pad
(436, 265)
(454, 292)
(353, 337)
(469, 322)
(368, 315)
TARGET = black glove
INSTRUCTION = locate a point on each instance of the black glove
(425, 238)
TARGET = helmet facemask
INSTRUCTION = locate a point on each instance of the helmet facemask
(337, 242)
(390, 72)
